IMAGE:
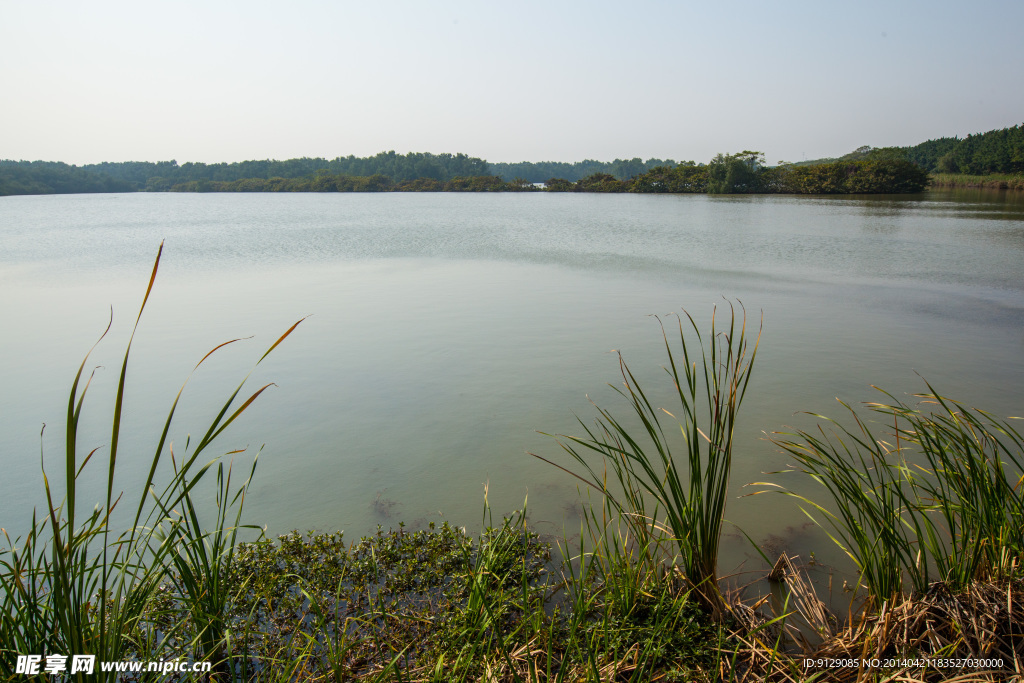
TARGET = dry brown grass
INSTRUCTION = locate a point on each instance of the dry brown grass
(983, 622)
(990, 182)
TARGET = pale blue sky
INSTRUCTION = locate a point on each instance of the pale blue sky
(225, 81)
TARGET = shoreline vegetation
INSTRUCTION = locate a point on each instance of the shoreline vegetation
(993, 159)
(733, 174)
(992, 181)
(743, 173)
(928, 507)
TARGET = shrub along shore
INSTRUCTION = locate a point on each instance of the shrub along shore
(929, 509)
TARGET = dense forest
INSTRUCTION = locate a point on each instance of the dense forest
(866, 169)
(997, 151)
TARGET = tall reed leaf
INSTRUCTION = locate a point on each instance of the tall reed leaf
(663, 495)
(80, 586)
(937, 498)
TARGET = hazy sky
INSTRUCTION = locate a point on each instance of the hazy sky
(84, 82)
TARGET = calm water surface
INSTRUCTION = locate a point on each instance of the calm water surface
(446, 330)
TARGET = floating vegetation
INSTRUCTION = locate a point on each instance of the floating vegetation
(664, 499)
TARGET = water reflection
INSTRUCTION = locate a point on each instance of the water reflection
(447, 329)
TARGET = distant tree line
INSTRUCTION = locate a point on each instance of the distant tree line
(324, 181)
(540, 171)
(741, 173)
(997, 151)
(54, 177)
(44, 177)
(745, 173)
(164, 175)
(866, 169)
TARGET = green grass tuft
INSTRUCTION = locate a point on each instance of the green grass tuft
(662, 496)
(938, 497)
(80, 586)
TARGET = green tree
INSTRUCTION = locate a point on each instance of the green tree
(734, 173)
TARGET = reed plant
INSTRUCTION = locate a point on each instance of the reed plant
(596, 616)
(82, 585)
(629, 620)
(663, 496)
(938, 497)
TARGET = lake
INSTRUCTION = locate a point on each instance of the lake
(447, 330)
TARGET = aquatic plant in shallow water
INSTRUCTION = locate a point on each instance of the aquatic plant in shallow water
(665, 497)
(80, 586)
(938, 497)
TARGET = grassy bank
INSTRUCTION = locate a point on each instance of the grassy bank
(929, 508)
(993, 181)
